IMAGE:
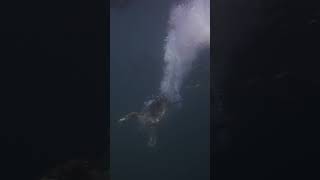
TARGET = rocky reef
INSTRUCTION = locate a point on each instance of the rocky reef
(78, 170)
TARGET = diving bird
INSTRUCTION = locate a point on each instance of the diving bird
(150, 116)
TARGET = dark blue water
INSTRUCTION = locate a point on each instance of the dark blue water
(136, 50)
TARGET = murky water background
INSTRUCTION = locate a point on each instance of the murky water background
(137, 35)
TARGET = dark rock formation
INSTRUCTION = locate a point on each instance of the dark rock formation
(78, 170)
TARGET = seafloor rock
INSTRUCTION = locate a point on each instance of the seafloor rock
(78, 170)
